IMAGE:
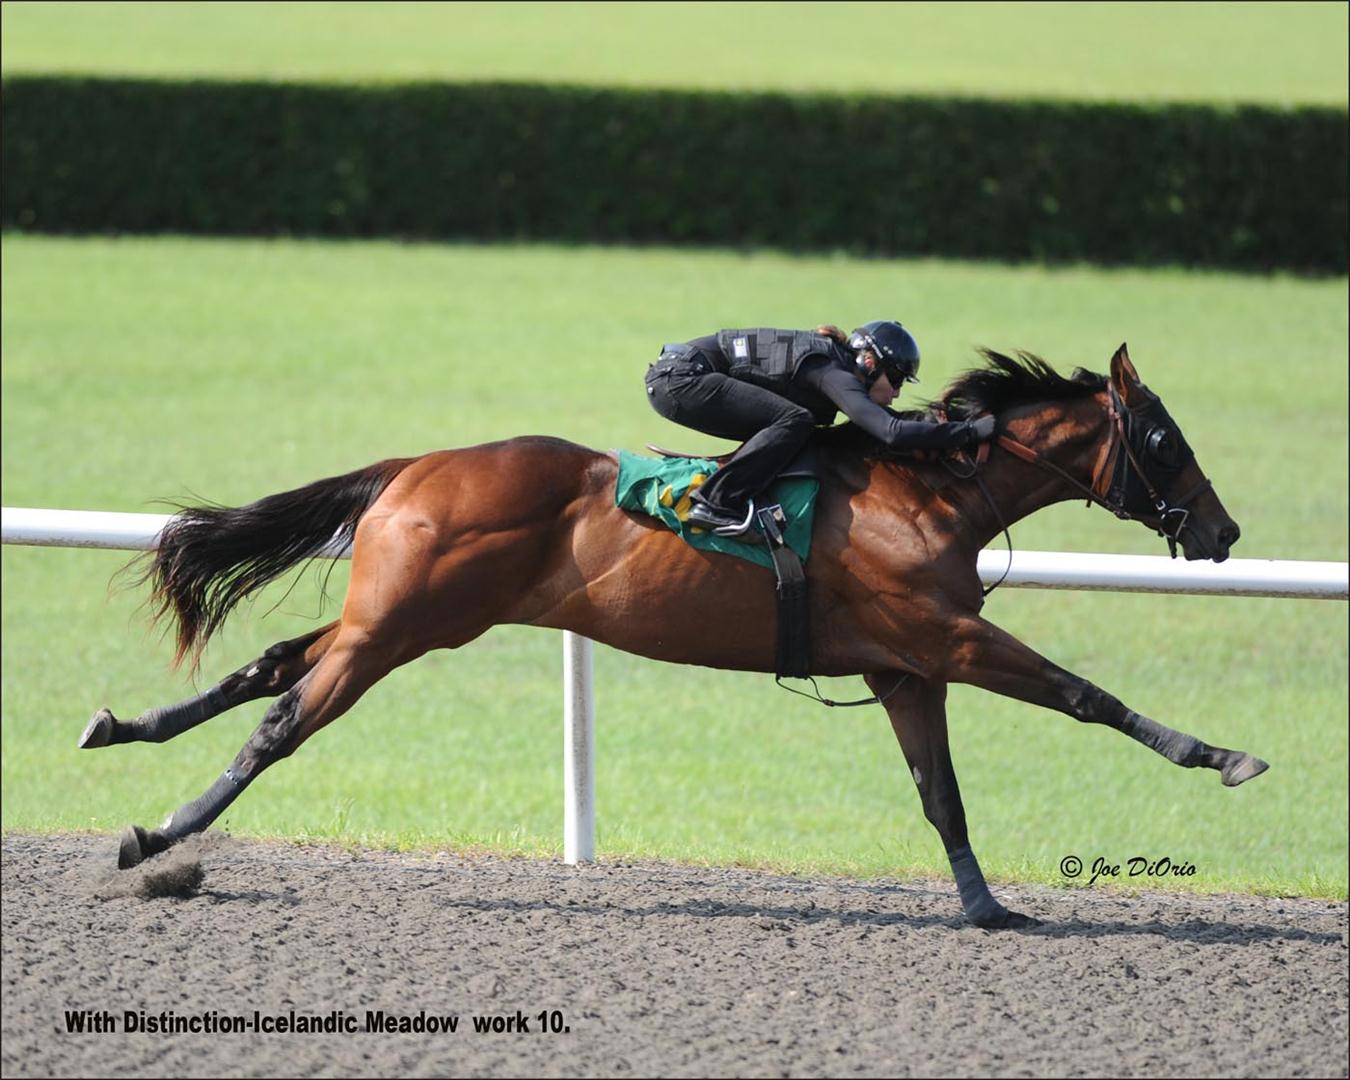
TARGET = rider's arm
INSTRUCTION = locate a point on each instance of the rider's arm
(850, 397)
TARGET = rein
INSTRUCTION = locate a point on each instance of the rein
(980, 457)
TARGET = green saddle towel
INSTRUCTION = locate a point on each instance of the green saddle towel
(661, 487)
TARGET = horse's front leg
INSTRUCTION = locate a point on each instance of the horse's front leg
(985, 656)
(918, 712)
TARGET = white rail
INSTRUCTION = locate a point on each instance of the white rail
(1159, 574)
(1029, 570)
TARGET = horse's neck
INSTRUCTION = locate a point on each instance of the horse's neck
(1067, 435)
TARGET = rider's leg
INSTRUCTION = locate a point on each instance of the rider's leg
(774, 429)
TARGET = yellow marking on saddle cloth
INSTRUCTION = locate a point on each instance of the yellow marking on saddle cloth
(681, 508)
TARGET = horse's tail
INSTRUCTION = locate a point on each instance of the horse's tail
(211, 557)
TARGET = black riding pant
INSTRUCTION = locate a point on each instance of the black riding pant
(690, 392)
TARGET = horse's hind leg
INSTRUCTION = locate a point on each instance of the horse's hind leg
(918, 712)
(988, 657)
(273, 673)
(351, 666)
(422, 577)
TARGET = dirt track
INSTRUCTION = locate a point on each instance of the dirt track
(657, 970)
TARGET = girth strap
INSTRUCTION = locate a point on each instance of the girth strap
(792, 654)
(792, 651)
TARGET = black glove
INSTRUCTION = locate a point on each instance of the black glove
(982, 430)
(965, 433)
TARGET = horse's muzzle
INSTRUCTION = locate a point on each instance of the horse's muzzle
(1215, 547)
(1228, 536)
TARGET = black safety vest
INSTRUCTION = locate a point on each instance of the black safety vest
(769, 357)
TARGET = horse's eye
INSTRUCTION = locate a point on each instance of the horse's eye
(1162, 447)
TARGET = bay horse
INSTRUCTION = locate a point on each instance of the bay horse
(526, 531)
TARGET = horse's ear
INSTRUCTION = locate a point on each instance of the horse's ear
(1123, 375)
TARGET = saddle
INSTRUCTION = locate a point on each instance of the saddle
(792, 651)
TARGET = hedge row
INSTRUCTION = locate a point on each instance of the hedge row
(1220, 186)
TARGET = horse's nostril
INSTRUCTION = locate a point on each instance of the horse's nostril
(1229, 536)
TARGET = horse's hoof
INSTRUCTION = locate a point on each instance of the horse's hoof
(1003, 919)
(99, 731)
(135, 847)
(1242, 768)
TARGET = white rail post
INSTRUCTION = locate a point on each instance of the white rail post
(578, 750)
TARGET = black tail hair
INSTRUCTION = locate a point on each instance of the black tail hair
(211, 557)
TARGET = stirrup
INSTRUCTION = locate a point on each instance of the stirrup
(737, 529)
(743, 527)
(706, 517)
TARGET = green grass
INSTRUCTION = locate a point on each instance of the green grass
(1280, 53)
(142, 368)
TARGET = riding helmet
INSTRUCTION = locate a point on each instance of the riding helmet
(894, 347)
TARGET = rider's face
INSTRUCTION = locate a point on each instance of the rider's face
(882, 392)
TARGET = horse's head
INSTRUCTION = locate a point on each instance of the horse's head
(1154, 476)
(1111, 427)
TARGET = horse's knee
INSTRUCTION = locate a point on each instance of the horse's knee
(946, 816)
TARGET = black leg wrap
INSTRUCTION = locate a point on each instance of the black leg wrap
(1184, 750)
(981, 907)
(139, 844)
(200, 812)
(161, 725)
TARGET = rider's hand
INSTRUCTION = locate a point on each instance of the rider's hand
(982, 430)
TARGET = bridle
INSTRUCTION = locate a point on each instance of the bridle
(1119, 471)
(1120, 483)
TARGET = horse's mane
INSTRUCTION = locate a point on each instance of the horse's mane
(1002, 383)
